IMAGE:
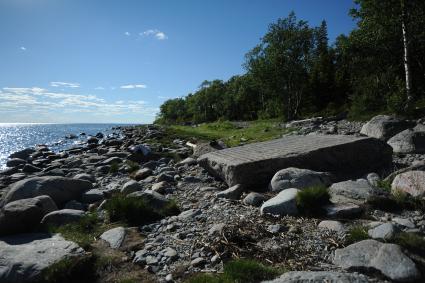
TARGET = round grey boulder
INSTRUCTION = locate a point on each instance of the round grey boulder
(62, 217)
(60, 189)
(298, 178)
(388, 259)
(24, 215)
(282, 204)
(410, 182)
(408, 141)
(384, 127)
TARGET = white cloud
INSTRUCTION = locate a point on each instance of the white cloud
(99, 88)
(23, 48)
(19, 100)
(161, 36)
(133, 86)
(155, 33)
(127, 33)
(64, 84)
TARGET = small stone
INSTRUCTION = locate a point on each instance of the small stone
(384, 231)
(332, 225)
(232, 193)
(254, 199)
(404, 222)
(197, 262)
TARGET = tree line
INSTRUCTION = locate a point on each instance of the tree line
(294, 72)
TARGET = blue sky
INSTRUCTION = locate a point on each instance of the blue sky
(67, 61)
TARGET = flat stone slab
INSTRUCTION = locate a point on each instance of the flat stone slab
(254, 165)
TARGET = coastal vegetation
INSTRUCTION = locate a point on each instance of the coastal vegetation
(294, 71)
(232, 134)
(240, 270)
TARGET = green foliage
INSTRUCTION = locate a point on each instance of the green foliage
(230, 134)
(74, 269)
(82, 232)
(385, 185)
(132, 166)
(293, 72)
(114, 168)
(310, 201)
(239, 271)
(356, 234)
(136, 211)
(411, 241)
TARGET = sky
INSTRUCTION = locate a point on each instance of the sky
(103, 61)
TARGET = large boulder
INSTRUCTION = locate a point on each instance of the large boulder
(384, 127)
(282, 204)
(408, 141)
(373, 255)
(298, 178)
(62, 217)
(15, 162)
(254, 165)
(319, 277)
(22, 154)
(411, 182)
(357, 192)
(60, 189)
(23, 257)
(24, 215)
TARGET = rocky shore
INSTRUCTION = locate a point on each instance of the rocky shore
(371, 229)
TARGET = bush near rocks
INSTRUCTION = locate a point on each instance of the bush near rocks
(356, 234)
(311, 201)
(137, 211)
(241, 270)
(83, 232)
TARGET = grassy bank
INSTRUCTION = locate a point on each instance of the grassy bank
(231, 133)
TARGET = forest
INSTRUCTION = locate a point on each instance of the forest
(294, 72)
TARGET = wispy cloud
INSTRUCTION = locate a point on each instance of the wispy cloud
(133, 86)
(64, 84)
(127, 33)
(155, 33)
(99, 88)
(33, 100)
(23, 48)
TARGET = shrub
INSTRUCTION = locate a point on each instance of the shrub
(411, 241)
(82, 232)
(248, 271)
(239, 271)
(114, 168)
(75, 269)
(385, 185)
(356, 234)
(310, 201)
(132, 166)
(136, 211)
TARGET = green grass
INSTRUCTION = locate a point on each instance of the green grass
(239, 271)
(136, 211)
(310, 201)
(411, 241)
(83, 232)
(132, 166)
(76, 269)
(356, 234)
(231, 135)
(397, 201)
(385, 185)
(114, 168)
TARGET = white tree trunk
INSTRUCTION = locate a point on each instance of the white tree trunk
(406, 58)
